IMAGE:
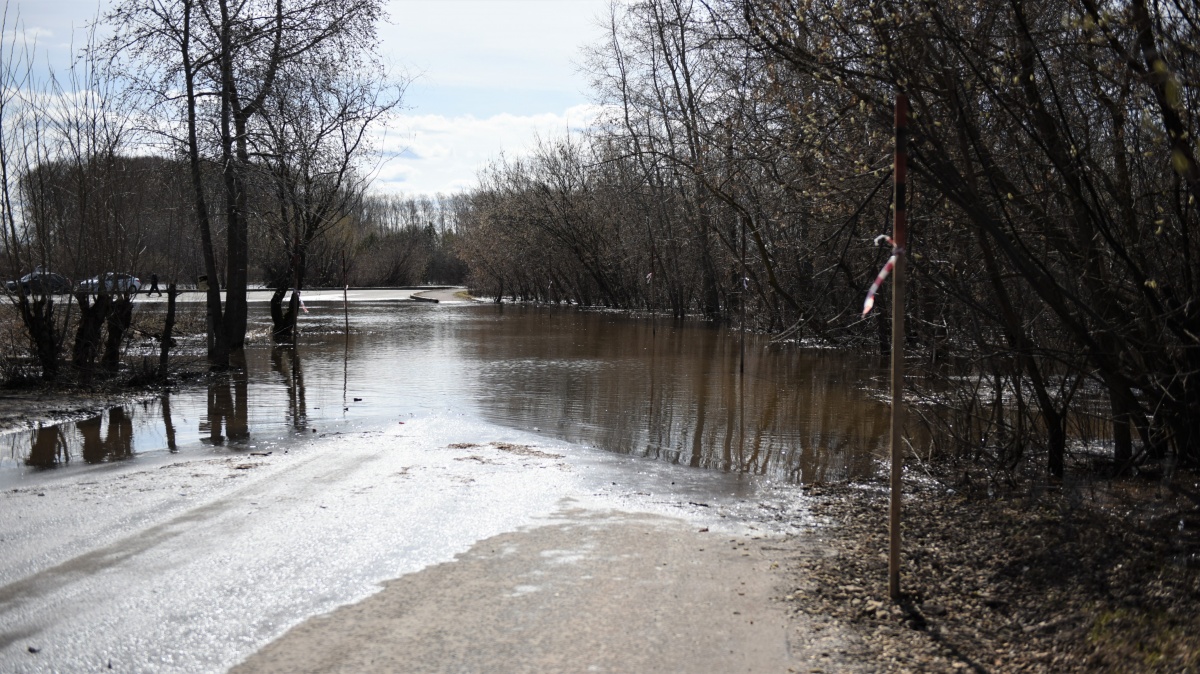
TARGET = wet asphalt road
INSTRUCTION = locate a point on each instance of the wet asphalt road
(594, 591)
(193, 565)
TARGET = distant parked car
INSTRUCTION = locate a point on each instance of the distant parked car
(111, 282)
(38, 281)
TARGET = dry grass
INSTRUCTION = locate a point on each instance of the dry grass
(140, 351)
(1049, 580)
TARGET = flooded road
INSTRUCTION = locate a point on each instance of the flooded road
(183, 533)
(665, 390)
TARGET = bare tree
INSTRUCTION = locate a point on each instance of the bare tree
(318, 133)
(22, 147)
(1054, 204)
(67, 197)
(213, 64)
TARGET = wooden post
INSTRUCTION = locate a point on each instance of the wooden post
(345, 294)
(899, 239)
(743, 282)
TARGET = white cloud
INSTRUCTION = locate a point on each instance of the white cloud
(438, 153)
(482, 43)
(493, 75)
(27, 36)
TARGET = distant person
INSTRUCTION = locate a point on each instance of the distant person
(154, 286)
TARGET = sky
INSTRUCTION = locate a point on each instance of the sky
(490, 77)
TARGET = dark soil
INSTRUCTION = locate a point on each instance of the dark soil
(1084, 577)
(26, 400)
(28, 406)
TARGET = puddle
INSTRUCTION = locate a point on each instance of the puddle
(668, 391)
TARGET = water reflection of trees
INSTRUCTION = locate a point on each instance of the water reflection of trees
(168, 425)
(227, 415)
(110, 435)
(89, 438)
(790, 415)
(47, 447)
(675, 394)
(117, 443)
(286, 361)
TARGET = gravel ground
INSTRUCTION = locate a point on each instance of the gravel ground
(1049, 579)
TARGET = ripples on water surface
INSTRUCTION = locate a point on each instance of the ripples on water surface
(661, 389)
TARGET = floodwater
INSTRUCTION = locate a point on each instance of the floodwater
(678, 392)
(183, 533)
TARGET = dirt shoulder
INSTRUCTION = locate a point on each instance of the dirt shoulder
(597, 592)
(1055, 579)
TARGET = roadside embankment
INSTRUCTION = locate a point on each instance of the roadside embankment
(1077, 578)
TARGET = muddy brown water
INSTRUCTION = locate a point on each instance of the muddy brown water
(686, 393)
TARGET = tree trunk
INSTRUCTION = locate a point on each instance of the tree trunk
(1057, 446)
(218, 346)
(120, 316)
(92, 313)
(167, 339)
(38, 316)
(281, 331)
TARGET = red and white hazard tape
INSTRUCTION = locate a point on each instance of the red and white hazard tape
(883, 273)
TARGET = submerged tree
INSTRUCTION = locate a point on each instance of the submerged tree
(1055, 133)
(211, 67)
(746, 145)
(317, 137)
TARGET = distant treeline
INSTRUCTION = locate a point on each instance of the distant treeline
(744, 161)
(134, 214)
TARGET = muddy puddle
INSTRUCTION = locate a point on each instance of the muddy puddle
(679, 393)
